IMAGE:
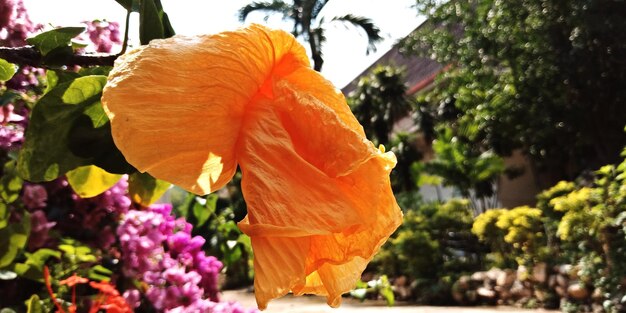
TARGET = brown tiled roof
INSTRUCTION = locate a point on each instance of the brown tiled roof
(420, 71)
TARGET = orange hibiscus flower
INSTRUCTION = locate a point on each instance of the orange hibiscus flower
(189, 110)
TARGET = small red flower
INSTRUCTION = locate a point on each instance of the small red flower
(105, 288)
(74, 280)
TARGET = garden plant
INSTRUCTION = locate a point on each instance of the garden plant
(91, 142)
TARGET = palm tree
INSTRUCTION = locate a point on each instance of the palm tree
(304, 14)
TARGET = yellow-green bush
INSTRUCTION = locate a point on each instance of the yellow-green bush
(582, 224)
(513, 235)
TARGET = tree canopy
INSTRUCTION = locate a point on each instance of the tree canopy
(542, 76)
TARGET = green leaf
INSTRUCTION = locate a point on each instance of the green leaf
(10, 183)
(4, 215)
(232, 252)
(55, 38)
(99, 273)
(76, 252)
(7, 310)
(68, 129)
(129, 5)
(167, 26)
(90, 181)
(13, 238)
(245, 241)
(39, 257)
(33, 267)
(54, 78)
(387, 294)
(83, 89)
(168, 30)
(153, 22)
(145, 189)
(7, 70)
(96, 70)
(386, 291)
(203, 208)
(34, 305)
(150, 23)
(78, 45)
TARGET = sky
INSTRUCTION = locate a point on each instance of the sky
(344, 51)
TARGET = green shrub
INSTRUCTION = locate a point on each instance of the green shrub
(433, 247)
(515, 236)
(583, 224)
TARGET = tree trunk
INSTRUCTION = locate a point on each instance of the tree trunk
(316, 54)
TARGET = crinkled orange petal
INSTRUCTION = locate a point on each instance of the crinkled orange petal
(189, 110)
(176, 106)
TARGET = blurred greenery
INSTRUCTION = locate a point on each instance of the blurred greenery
(580, 223)
(433, 247)
(543, 76)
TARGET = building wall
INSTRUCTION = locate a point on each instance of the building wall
(521, 190)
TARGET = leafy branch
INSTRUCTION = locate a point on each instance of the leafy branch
(29, 55)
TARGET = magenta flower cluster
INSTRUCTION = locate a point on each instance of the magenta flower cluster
(55, 206)
(159, 249)
(98, 215)
(15, 24)
(102, 35)
(15, 27)
(11, 128)
(156, 248)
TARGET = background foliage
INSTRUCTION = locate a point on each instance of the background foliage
(543, 76)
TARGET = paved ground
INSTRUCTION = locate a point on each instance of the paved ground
(308, 304)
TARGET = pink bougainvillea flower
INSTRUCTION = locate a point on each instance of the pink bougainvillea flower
(189, 110)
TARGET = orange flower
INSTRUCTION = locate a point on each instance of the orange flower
(105, 288)
(189, 110)
(109, 299)
(73, 280)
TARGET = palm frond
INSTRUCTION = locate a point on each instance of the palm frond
(318, 5)
(371, 30)
(275, 6)
(319, 34)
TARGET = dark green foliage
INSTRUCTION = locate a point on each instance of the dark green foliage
(379, 102)
(129, 5)
(544, 76)
(153, 21)
(433, 247)
(55, 39)
(13, 239)
(69, 129)
(402, 177)
(472, 172)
